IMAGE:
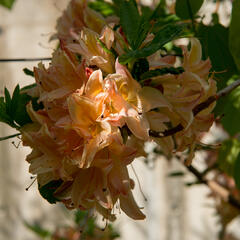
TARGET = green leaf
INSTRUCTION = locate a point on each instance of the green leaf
(166, 34)
(139, 67)
(4, 117)
(7, 101)
(159, 11)
(7, 3)
(228, 155)
(14, 101)
(130, 21)
(105, 8)
(215, 45)
(169, 18)
(187, 9)
(28, 72)
(21, 116)
(236, 173)
(38, 230)
(13, 110)
(146, 12)
(47, 191)
(230, 107)
(234, 36)
(109, 51)
(162, 71)
(28, 87)
(143, 30)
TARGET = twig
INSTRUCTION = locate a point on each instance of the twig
(10, 136)
(24, 59)
(166, 133)
(215, 187)
(196, 110)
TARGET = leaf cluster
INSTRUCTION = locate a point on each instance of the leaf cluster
(13, 108)
(137, 21)
(47, 191)
(7, 3)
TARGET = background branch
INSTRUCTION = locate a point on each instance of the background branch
(24, 59)
(215, 187)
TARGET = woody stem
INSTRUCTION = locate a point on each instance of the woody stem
(215, 187)
(196, 110)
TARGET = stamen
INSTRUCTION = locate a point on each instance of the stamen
(145, 198)
(106, 225)
(31, 184)
(16, 146)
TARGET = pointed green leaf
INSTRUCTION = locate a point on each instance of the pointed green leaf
(47, 191)
(234, 36)
(7, 101)
(187, 9)
(21, 116)
(28, 72)
(105, 8)
(229, 106)
(215, 45)
(236, 173)
(4, 117)
(28, 87)
(166, 34)
(162, 71)
(130, 21)
(140, 66)
(14, 101)
(228, 155)
(159, 11)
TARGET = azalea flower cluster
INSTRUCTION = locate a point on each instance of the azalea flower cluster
(96, 116)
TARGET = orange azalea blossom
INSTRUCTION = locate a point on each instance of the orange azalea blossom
(89, 98)
(64, 76)
(116, 100)
(55, 155)
(90, 48)
(77, 16)
(103, 184)
(184, 92)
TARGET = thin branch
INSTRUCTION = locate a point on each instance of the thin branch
(196, 110)
(166, 133)
(215, 187)
(10, 136)
(228, 89)
(24, 59)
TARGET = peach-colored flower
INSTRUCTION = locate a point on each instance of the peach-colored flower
(64, 76)
(84, 113)
(105, 182)
(92, 51)
(184, 92)
(89, 99)
(77, 16)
